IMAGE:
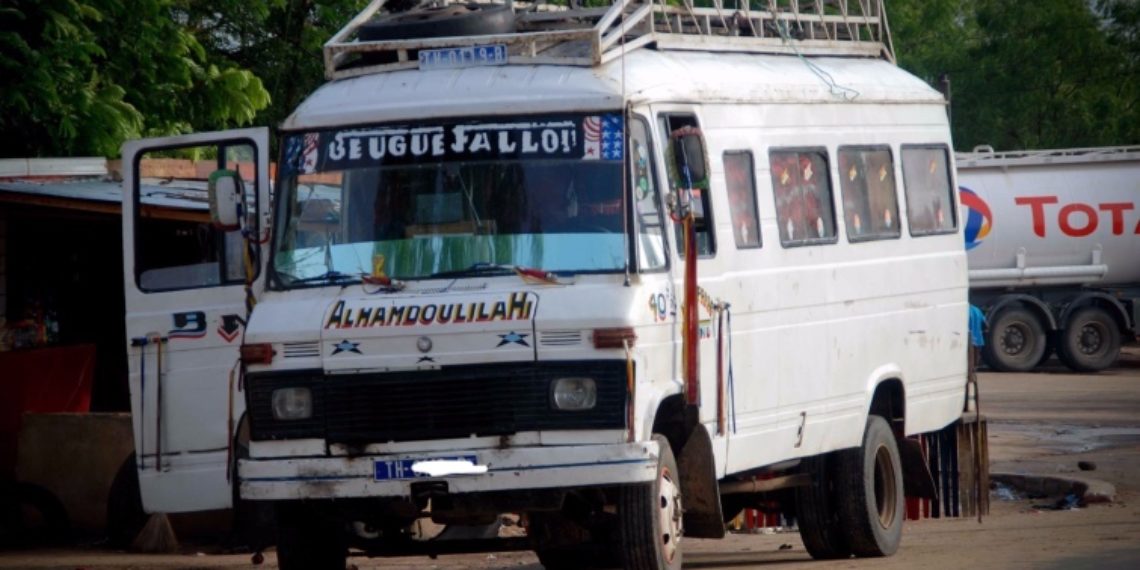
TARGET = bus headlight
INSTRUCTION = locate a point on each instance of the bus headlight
(575, 393)
(292, 404)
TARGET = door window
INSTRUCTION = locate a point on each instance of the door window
(176, 246)
(675, 124)
(650, 223)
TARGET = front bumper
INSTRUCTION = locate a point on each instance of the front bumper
(507, 469)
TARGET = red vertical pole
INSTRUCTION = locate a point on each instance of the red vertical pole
(691, 322)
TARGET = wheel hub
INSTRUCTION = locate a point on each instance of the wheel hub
(670, 513)
(886, 488)
(1014, 340)
(1091, 339)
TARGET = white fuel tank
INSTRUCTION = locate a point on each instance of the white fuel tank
(1058, 217)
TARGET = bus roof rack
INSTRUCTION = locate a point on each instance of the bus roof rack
(566, 34)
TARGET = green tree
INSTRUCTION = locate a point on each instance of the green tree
(78, 77)
(931, 37)
(279, 40)
(1042, 74)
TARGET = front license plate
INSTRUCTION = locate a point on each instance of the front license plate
(402, 468)
(457, 57)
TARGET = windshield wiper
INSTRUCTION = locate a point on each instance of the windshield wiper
(331, 276)
(478, 268)
(528, 274)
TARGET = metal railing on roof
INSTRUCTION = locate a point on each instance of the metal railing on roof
(569, 35)
(985, 156)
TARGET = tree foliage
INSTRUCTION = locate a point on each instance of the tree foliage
(1042, 74)
(78, 77)
(279, 40)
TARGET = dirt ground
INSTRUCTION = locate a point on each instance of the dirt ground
(1041, 423)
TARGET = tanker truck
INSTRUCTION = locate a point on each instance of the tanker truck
(1053, 245)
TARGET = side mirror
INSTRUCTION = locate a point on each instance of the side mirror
(689, 154)
(227, 196)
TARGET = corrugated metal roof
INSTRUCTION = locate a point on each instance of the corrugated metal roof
(186, 196)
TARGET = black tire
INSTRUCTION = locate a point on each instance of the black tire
(649, 518)
(1015, 341)
(563, 544)
(1090, 341)
(309, 539)
(869, 483)
(568, 558)
(816, 513)
(254, 524)
(31, 516)
(451, 20)
(125, 514)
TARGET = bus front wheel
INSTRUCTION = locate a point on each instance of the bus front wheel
(650, 516)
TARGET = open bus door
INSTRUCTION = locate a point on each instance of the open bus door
(186, 285)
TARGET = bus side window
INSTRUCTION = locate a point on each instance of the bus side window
(870, 203)
(651, 252)
(702, 202)
(804, 206)
(741, 184)
(929, 195)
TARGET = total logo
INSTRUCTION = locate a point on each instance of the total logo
(979, 219)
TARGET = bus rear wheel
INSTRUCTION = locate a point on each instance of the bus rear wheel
(869, 484)
(816, 513)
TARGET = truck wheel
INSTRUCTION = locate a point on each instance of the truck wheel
(307, 539)
(1090, 341)
(1050, 348)
(1016, 341)
(31, 515)
(649, 518)
(816, 514)
(869, 484)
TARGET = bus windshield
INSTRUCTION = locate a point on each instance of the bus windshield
(436, 200)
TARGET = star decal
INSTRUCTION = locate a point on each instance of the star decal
(346, 346)
(512, 338)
